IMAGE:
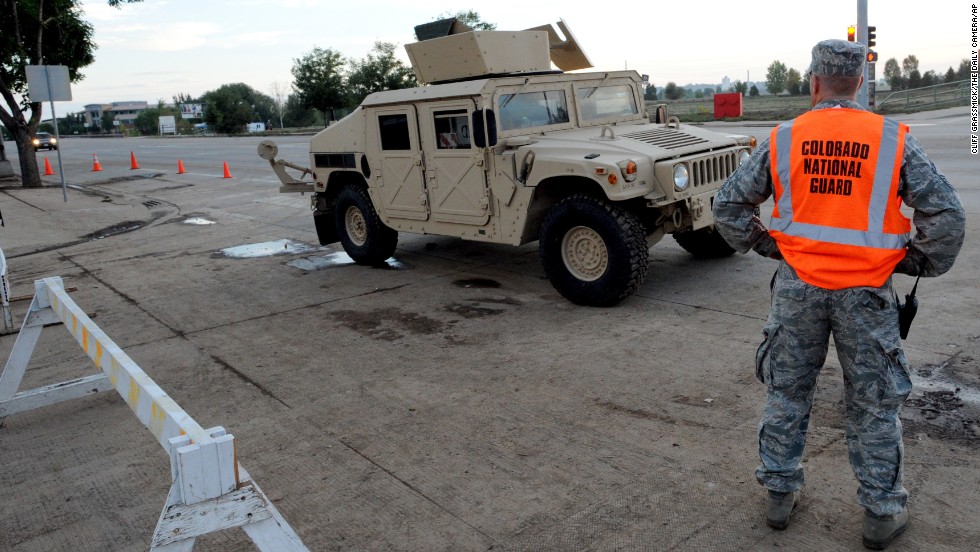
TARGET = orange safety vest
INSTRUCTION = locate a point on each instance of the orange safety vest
(835, 175)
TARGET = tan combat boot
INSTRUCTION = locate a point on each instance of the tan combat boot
(880, 531)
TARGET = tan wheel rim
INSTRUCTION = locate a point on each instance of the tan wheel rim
(584, 253)
(356, 226)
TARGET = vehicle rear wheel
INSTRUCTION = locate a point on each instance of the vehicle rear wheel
(594, 253)
(365, 238)
(705, 243)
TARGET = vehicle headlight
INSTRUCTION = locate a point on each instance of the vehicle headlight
(54, 140)
(743, 156)
(680, 177)
(628, 168)
(36, 142)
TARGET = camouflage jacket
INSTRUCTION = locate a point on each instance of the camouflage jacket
(939, 218)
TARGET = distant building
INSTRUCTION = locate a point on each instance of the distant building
(726, 84)
(122, 112)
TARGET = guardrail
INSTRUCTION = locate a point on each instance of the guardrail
(928, 97)
(211, 491)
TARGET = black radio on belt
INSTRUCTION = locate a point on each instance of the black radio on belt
(907, 310)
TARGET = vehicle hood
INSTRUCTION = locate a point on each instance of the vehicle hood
(654, 140)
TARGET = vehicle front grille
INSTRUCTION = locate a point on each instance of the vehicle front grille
(665, 138)
(714, 169)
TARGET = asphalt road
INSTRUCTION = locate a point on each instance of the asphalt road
(453, 401)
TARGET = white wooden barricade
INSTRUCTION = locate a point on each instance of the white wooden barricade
(8, 321)
(211, 491)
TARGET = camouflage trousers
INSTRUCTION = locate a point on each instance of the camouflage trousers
(864, 323)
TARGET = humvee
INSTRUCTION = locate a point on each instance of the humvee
(497, 146)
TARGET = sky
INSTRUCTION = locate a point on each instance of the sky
(156, 49)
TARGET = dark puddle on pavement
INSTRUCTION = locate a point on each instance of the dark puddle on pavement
(943, 407)
(118, 228)
(483, 283)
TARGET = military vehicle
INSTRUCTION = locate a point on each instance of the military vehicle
(498, 146)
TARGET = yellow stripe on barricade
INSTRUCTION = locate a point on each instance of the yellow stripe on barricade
(154, 408)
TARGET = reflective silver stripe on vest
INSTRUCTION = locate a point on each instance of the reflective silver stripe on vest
(884, 172)
(784, 143)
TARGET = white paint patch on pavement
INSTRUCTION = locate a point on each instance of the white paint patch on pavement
(266, 249)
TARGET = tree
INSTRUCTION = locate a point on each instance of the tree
(232, 106)
(673, 92)
(930, 78)
(805, 87)
(793, 80)
(108, 122)
(280, 93)
(776, 77)
(740, 87)
(915, 79)
(320, 80)
(909, 64)
(380, 70)
(950, 75)
(963, 72)
(754, 91)
(35, 31)
(650, 94)
(296, 114)
(148, 121)
(893, 73)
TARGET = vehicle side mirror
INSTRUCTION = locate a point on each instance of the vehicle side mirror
(484, 128)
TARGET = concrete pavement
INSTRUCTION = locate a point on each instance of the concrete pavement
(451, 402)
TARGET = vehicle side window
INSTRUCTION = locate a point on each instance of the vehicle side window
(394, 132)
(533, 109)
(606, 101)
(452, 129)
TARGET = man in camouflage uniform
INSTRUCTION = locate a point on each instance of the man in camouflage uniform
(863, 319)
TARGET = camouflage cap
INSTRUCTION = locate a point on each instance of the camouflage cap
(838, 57)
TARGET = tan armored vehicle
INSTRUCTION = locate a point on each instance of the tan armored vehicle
(498, 147)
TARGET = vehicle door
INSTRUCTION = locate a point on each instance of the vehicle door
(454, 167)
(399, 180)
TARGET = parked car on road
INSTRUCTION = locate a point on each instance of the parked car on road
(43, 140)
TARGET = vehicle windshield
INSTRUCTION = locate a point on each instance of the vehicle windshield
(533, 109)
(606, 101)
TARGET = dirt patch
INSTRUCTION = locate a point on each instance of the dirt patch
(472, 310)
(388, 324)
(948, 405)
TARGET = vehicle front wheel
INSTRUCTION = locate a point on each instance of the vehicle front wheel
(705, 243)
(365, 238)
(594, 253)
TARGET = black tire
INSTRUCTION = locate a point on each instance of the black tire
(595, 254)
(704, 243)
(365, 238)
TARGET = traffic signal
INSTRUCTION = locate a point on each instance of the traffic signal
(851, 32)
(871, 36)
(872, 56)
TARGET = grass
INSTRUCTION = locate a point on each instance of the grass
(754, 108)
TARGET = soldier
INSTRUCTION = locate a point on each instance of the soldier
(838, 175)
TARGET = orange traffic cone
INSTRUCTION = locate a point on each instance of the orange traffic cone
(133, 165)
(227, 172)
(180, 167)
(95, 163)
(47, 168)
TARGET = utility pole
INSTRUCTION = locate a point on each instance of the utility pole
(862, 37)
